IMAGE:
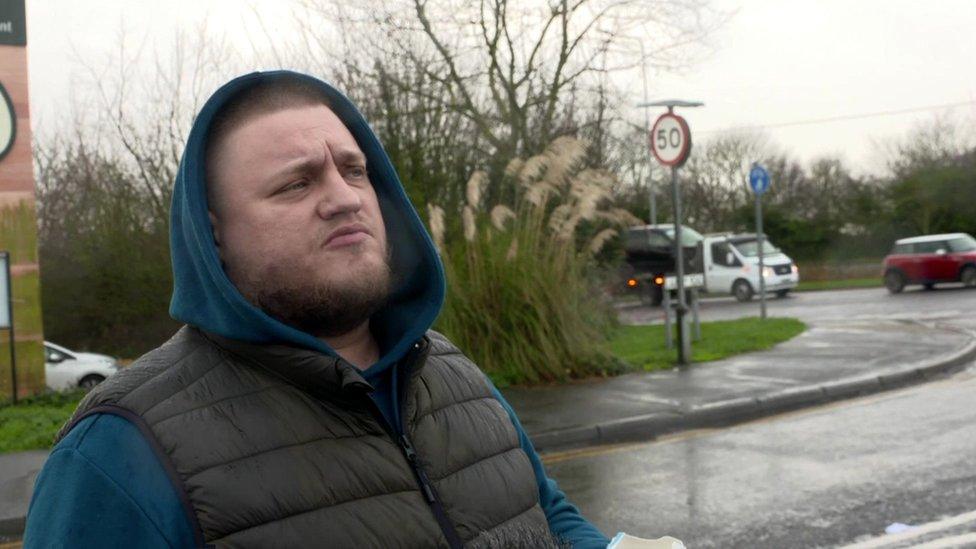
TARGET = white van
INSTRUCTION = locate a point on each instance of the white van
(731, 266)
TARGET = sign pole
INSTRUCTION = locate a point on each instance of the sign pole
(759, 180)
(652, 199)
(684, 345)
(668, 336)
(762, 271)
(5, 256)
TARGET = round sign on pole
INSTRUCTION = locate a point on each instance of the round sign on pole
(759, 179)
(670, 140)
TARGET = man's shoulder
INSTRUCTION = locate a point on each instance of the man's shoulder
(168, 360)
(161, 370)
(445, 353)
(453, 367)
(440, 345)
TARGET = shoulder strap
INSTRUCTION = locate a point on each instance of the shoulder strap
(164, 459)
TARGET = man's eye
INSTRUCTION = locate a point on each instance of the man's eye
(296, 186)
(356, 172)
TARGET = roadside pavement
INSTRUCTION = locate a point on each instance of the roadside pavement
(17, 473)
(832, 360)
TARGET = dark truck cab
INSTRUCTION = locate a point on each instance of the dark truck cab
(650, 257)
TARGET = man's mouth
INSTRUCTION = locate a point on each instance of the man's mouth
(347, 235)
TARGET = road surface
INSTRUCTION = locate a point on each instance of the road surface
(950, 301)
(822, 477)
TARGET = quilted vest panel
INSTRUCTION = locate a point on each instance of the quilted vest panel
(279, 447)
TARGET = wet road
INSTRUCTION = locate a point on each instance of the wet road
(817, 478)
(942, 302)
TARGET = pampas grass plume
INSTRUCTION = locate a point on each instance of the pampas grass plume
(467, 218)
(500, 214)
(476, 183)
(600, 240)
(435, 216)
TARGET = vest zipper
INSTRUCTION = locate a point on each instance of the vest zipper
(399, 434)
(423, 481)
(417, 354)
(411, 454)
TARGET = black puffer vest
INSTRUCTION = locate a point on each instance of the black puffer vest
(274, 446)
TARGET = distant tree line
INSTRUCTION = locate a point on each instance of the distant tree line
(823, 211)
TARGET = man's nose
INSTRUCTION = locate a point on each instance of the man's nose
(338, 196)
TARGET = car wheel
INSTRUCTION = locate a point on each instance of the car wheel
(969, 277)
(742, 290)
(90, 381)
(782, 293)
(894, 281)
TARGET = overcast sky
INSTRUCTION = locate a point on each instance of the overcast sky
(774, 62)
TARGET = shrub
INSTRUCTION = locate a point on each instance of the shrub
(519, 300)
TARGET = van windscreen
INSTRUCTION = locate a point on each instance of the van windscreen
(750, 248)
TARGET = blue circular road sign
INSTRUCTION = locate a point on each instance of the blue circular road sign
(758, 179)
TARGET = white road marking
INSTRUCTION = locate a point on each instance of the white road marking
(964, 540)
(918, 531)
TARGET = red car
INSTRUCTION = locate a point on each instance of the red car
(929, 260)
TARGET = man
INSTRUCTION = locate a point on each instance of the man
(306, 403)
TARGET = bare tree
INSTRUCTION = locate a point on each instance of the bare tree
(517, 75)
(142, 105)
(715, 179)
(105, 177)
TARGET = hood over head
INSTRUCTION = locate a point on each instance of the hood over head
(203, 295)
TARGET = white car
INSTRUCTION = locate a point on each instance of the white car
(65, 369)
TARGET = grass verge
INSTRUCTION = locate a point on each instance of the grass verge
(820, 285)
(32, 423)
(644, 348)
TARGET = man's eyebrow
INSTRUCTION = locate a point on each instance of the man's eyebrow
(341, 157)
(300, 165)
(348, 156)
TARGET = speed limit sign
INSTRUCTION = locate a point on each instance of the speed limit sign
(670, 140)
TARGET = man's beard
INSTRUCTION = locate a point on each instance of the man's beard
(323, 308)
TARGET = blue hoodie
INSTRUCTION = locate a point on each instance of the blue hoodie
(102, 484)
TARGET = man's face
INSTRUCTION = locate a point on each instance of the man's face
(296, 220)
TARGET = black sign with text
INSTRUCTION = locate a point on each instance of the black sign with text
(13, 23)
